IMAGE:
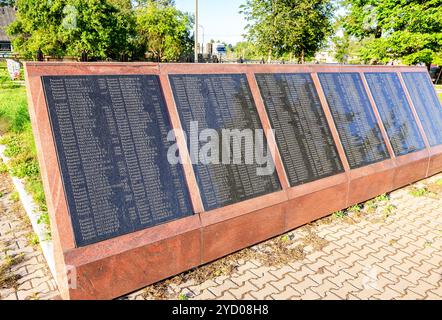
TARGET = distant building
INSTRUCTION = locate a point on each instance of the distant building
(7, 15)
(326, 56)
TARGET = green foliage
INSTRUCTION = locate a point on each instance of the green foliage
(5, 3)
(382, 198)
(418, 192)
(247, 50)
(340, 214)
(102, 28)
(25, 166)
(3, 167)
(43, 219)
(410, 31)
(355, 209)
(279, 27)
(370, 206)
(20, 147)
(14, 197)
(33, 239)
(164, 31)
(388, 210)
(35, 187)
(13, 104)
(183, 296)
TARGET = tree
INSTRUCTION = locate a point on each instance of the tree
(164, 31)
(280, 27)
(143, 3)
(247, 50)
(6, 3)
(410, 31)
(101, 28)
(341, 48)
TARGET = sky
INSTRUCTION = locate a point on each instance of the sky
(219, 18)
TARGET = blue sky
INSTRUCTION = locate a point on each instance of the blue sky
(220, 19)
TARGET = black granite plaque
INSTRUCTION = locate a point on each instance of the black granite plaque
(301, 129)
(111, 140)
(220, 102)
(395, 112)
(426, 103)
(354, 118)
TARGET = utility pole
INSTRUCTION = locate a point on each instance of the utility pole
(202, 43)
(196, 31)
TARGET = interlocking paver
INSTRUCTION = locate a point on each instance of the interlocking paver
(345, 290)
(309, 294)
(222, 288)
(265, 292)
(341, 278)
(245, 277)
(33, 279)
(287, 294)
(246, 288)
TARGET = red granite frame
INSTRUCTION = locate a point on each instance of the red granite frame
(121, 265)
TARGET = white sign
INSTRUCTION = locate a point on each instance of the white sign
(13, 69)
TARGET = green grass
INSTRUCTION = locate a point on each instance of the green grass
(418, 192)
(355, 209)
(183, 296)
(340, 214)
(16, 131)
(382, 198)
(33, 239)
(14, 197)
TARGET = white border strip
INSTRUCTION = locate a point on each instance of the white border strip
(33, 213)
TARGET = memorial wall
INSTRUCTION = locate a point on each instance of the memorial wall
(124, 216)
(220, 102)
(354, 118)
(396, 113)
(301, 129)
(111, 139)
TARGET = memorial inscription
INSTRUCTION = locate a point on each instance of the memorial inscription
(354, 118)
(223, 102)
(111, 139)
(302, 133)
(426, 103)
(395, 112)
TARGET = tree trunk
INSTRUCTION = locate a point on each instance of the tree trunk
(438, 78)
(301, 57)
(269, 58)
(378, 33)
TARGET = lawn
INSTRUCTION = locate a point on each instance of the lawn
(439, 88)
(16, 134)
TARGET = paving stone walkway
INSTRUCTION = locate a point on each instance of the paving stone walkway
(388, 248)
(24, 273)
